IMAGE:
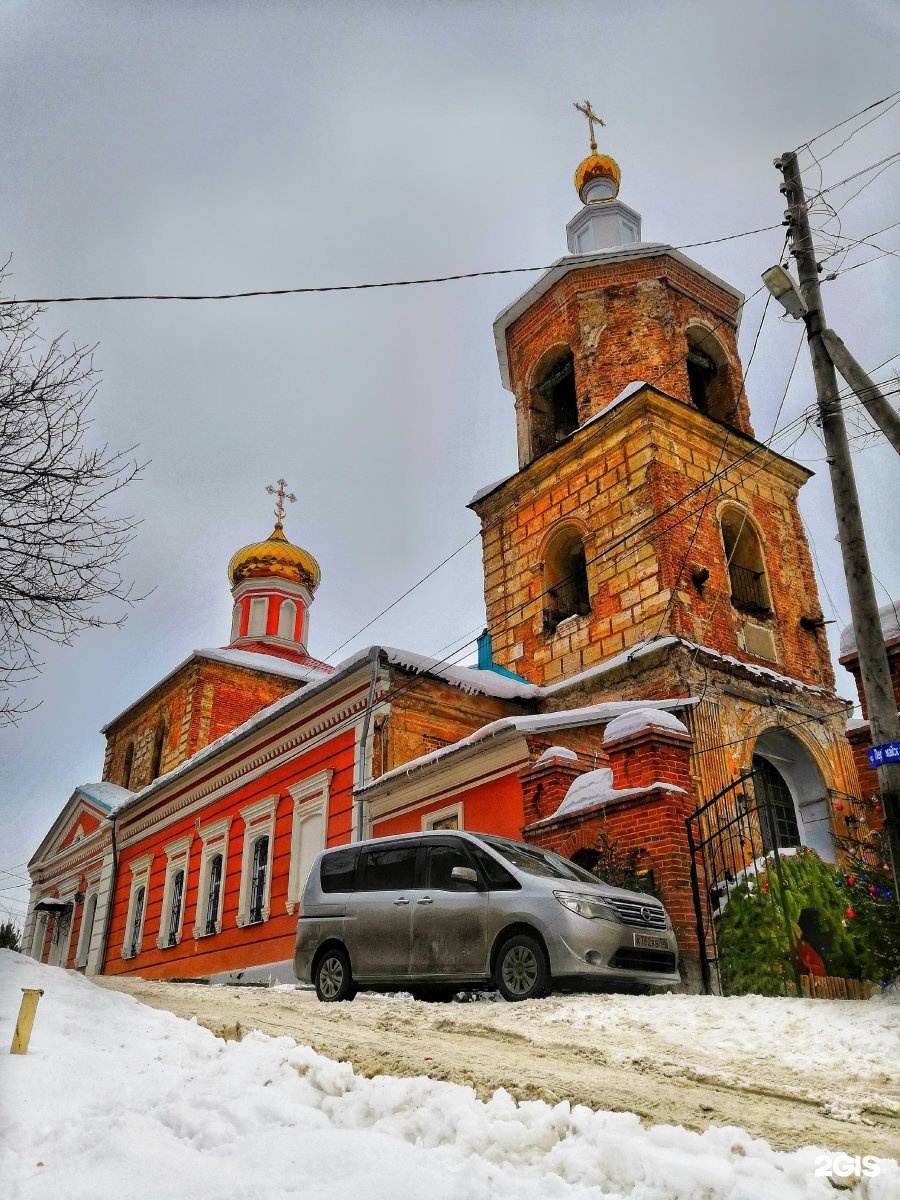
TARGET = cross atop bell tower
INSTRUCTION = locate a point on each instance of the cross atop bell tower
(282, 495)
(591, 118)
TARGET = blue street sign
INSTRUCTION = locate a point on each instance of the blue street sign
(888, 753)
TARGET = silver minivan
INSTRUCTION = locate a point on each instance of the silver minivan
(435, 912)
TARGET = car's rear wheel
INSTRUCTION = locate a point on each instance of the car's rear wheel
(521, 971)
(332, 976)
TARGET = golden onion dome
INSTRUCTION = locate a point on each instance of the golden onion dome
(597, 166)
(278, 557)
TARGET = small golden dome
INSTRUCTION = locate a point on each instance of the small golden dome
(278, 557)
(597, 166)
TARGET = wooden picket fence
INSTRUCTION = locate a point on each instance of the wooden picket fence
(831, 987)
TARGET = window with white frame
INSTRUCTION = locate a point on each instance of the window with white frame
(236, 613)
(256, 874)
(211, 889)
(259, 611)
(287, 619)
(40, 932)
(88, 917)
(137, 906)
(172, 916)
(308, 828)
(444, 818)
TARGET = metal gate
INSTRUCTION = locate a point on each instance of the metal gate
(738, 835)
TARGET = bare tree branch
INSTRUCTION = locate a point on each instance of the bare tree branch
(61, 548)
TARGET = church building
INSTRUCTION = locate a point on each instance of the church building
(654, 640)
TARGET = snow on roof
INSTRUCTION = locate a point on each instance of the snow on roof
(272, 664)
(566, 718)
(596, 788)
(888, 615)
(468, 679)
(639, 719)
(641, 648)
(486, 491)
(629, 390)
(553, 752)
(107, 795)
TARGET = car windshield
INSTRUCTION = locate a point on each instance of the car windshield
(539, 862)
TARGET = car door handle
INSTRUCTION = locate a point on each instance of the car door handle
(425, 900)
(402, 900)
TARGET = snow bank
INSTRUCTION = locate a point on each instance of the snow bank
(115, 1099)
(640, 719)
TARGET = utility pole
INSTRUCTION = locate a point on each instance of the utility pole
(873, 660)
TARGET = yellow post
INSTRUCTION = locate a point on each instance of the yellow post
(27, 1009)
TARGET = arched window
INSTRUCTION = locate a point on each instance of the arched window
(777, 814)
(258, 873)
(137, 921)
(554, 404)
(159, 742)
(212, 895)
(708, 375)
(236, 622)
(127, 765)
(287, 620)
(259, 608)
(565, 579)
(746, 564)
(175, 911)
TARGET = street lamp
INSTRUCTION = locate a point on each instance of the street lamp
(781, 284)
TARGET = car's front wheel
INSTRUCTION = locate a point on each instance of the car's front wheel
(332, 976)
(521, 971)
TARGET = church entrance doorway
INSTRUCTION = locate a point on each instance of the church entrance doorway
(794, 793)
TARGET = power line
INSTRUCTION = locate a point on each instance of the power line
(345, 287)
(888, 160)
(831, 129)
(877, 117)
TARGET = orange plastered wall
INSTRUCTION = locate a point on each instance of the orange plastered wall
(493, 807)
(234, 947)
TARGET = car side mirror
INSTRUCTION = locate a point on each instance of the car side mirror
(464, 875)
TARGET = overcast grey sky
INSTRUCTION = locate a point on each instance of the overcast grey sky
(219, 146)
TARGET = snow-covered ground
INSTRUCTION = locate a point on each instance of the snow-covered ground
(115, 1099)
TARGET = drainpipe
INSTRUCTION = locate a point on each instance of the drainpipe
(374, 657)
(101, 962)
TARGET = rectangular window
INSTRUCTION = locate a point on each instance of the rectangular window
(172, 916)
(337, 871)
(213, 895)
(211, 877)
(137, 906)
(308, 826)
(260, 871)
(390, 869)
(444, 818)
(256, 873)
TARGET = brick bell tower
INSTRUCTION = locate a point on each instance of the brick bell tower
(649, 545)
(629, 399)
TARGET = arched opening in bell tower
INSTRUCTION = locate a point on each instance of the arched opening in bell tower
(554, 403)
(566, 592)
(791, 793)
(708, 375)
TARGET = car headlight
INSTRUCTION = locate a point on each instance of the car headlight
(585, 906)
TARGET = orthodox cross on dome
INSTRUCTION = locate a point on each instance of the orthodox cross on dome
(282, 495)
(591, 118)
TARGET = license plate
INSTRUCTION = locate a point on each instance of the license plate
(648, 942)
